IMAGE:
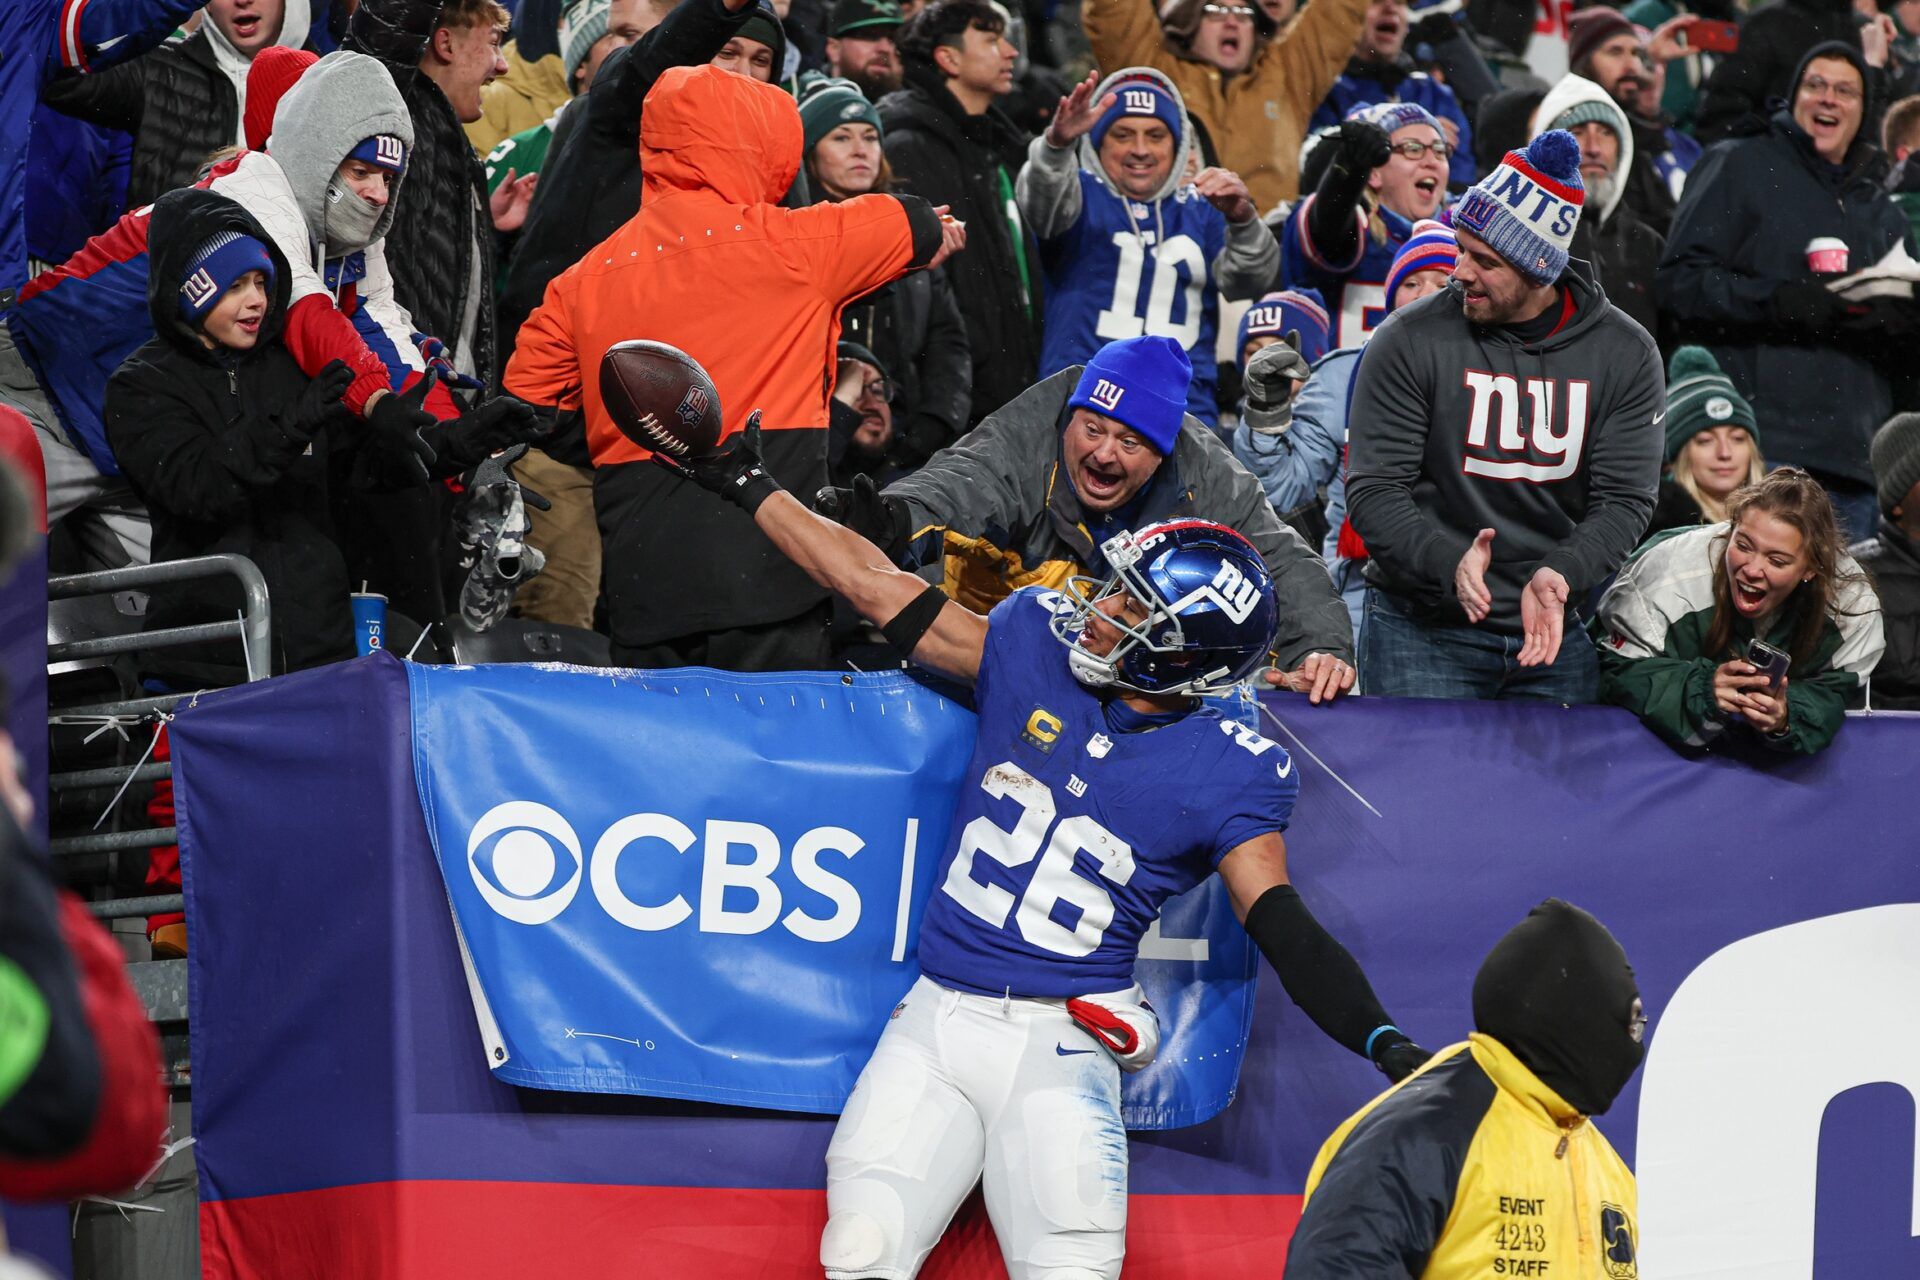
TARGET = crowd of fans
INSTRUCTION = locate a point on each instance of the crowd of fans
(1485, 365)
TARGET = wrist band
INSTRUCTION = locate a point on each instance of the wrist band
(1376, 1035)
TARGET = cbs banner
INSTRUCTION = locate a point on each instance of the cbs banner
(703, 885)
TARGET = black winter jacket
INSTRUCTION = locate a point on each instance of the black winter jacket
(590, 181)
(208, 442)
(1741, 231)
(1624, 252)
(1893, 561)
(1773, 39)
(913, 325)
(1647, 194)
(441, 223)
(176, 102)
(939, 152)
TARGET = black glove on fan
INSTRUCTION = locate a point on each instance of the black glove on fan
(880, 519)
(316, 400)
(396, 420)
(475, 436)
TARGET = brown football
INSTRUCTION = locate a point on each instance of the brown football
(660, 398)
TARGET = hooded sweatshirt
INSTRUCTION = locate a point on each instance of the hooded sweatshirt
(1120, 268)
(75, 323)
(1457, 427)
(753, 291)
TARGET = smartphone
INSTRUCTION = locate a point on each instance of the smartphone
(1772, 662)
(1709, 36)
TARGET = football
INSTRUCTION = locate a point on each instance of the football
(660, 398)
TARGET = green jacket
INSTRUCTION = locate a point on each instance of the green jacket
(1652, 629)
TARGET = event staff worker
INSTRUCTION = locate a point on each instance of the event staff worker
(1028, 497)
(712, 265)
(1492, 501)
(1002, 1063)
(1489, 1153)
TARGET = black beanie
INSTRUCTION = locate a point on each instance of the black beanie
(1558, 992)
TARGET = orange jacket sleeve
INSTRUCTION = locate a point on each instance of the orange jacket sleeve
(545, 368)
(854, 246)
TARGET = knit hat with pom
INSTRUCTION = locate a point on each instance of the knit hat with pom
(1527, 208)
(1699, 398)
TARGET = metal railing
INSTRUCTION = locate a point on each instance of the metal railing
(252, 629)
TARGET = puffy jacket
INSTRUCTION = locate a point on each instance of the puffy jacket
(1741, 231)
(442, 224)
(1257, 119)
(181, 103)
(998, 509)
(1893, 561)
(1364, 83)
(1462, 1170)
(1652, 629)
(76, 323)
(968, 163)
(532, 90)
(589, 185)
(754, 292)
(200, 438)
(43, 38)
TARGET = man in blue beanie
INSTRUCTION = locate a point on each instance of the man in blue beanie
(1028, 496)
(1504, 452)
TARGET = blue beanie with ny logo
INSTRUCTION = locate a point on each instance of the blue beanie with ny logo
(1141, 383)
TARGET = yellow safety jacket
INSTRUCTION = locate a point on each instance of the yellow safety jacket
(1471, 1167)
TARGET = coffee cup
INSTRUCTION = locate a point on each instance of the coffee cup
(1827, 256)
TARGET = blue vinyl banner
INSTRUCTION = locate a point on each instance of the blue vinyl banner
(705, 885)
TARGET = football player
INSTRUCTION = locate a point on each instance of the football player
(1099, 788)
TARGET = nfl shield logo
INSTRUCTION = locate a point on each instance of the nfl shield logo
(692, 407)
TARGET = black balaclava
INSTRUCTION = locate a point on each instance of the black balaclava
(1558, 992)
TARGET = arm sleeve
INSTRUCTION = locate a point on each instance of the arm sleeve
(1048, 188)
(114, 98)
(1642, 670)
(989, 483)
(693, 33)
(1125, 33)
(545, 368)
(1816, 705)
(1302, 64)
(1386, 446)
(183, 464)
(1248, 262)
(1623, 474)
(862, 243)
(1312, 617)
(95, 34)
(387, 330)
(1319, 974)
(1697, 281)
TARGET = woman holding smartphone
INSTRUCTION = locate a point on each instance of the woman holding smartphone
(1761, 623)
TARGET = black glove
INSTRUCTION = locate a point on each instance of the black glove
(395, 422)
(1807, 308)
(736, 473)
(879, 519)
(472, 438)
(1881, 329)
(1398, 1057)
(316, 400)
(1361, 146)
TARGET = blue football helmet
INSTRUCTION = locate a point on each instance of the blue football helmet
(1210, 611)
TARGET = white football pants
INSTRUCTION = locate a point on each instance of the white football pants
(1009, 1093)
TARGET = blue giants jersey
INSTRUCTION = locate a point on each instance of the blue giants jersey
(1069, 837)
(1109, 277)
(1355, 290)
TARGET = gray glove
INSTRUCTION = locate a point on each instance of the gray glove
(1271, 379)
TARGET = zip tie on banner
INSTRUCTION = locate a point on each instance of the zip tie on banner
(115, 723)
(158, 728)
(123, 1206)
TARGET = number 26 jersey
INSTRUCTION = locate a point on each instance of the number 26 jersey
(1067, 836)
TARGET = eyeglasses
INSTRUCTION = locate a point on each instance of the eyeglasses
(877, 389)
(1227, 11)
(1818, 85)
(1414, 150)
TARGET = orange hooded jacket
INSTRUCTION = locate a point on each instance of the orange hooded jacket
(712, 265)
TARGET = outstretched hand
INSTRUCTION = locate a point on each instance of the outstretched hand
(1543, 616)
(1226, 192)
(1077, 113)
(953, 236)
(510, 201)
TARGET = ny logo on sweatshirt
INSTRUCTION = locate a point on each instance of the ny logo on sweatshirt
(1540, 449)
